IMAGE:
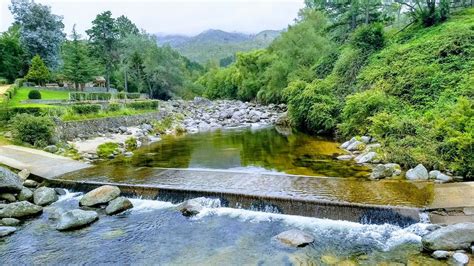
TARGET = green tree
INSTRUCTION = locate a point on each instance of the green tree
(78, 66)
(41, 31)
(104, 38)
(12, 56)
(38, 71)
(125, 27)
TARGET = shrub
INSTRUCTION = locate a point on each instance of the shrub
(34, 94)
(19, 82)
(368, 38)
(131, 144)
(3, 81)
(78, 96)
(133, 95)
(108, 149)
(143, 105)
(360, 107)
(31, 129)
(114, 107)
(99, 96)
(86, 108)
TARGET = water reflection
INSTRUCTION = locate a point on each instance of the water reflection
(296, 153)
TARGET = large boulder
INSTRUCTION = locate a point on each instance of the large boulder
(385, 170)
(295, 238)
(25, 194)
(366, 157)
(460, 259)
(100, 195)
(9, 181)
(44, 196)
(6, 230)
(20, 209)
(356, 146)
(118, 205)
(75, 219)
(451, 237)
(417, 173)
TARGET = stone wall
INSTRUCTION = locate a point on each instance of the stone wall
(88, 128)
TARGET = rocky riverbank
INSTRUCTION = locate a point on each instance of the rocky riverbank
(366, 150)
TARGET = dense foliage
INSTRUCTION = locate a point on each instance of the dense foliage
(34, 94)
(364, 73)
(35, 130)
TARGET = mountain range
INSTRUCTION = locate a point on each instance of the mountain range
(217, 45)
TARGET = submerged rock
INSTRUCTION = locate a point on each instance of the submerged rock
(44, 196)
(441, 254)
(451, 237)
(460, 259)
(75, 219)
(20, 210)
(100, 195)
(6, 230)
(417, 173)
(9, 181)
(10, 221)
(118, 205)
(25, 194)
(190, 207)
(295, 238)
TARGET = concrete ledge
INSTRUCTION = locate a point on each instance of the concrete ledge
(361, 213)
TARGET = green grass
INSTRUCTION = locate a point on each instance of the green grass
(22, 94)
(70, 116)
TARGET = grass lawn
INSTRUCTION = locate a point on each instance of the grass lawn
(22, 94)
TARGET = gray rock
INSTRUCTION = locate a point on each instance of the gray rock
(44, 196)
(20, 210)
(434, 174)
(30, 183)
(201, 101)
(451, 237)
(75, 219)
(365, 139)
(8, 197)
(372, 147)
(443, 177)
(118, 205)
(283, 120)
(295, 238)
(6, 230)
(51, 148)
(417, 173)
(60, 191)
(9, 181)
(460, 259)
(25, 194)
(128, 154)
(347, 143)
(356, 146)
(385, 170)
(441, 254)
(190, 207)
(100, 195)
(10, 221)
(345, 157)
(366, 157)
(24, 174)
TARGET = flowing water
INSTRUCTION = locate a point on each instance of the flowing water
(154, 232)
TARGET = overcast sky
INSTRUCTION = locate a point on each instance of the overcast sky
(187, 17)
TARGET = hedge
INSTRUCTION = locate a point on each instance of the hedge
(113, 107)
(90, 96)
(86, 108)
(143, 105)
(131, 95)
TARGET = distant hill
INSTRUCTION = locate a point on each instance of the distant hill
(217, 44)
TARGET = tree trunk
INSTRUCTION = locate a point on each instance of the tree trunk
(126, 82)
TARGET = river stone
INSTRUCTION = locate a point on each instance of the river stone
(44, 196)
(190, 207)
(25, 194)
(24, 174)
(8, 197)
(51, 149)
(441, 254)
(345, 157)
(417, 173)
(20, 210)
(60, 191)
(385, 170)
(460, 259)
(9, 181)
(295, 238)
(100, 195)
(118, 205)
(366, 157)
(347, 143)
(356, 146)
(443, 177)
(434, 174)
(6, 230)
(451, 237)
(10, 221)
(75, 219)
(365, 139)
(30, 183)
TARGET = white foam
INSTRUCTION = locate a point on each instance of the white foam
(143, 205)
(69, 195)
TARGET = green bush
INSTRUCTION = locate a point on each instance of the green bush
(35, 130)
(34, 94)
(108, 149)
(360, 107)
(35, 111)
(86, 108)
(131, 144)
(19, 82)
(368, 38)
(114, 107)
(143, 105)
(133, 95)
(90, 96)
(78, 96)
(3, 81)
